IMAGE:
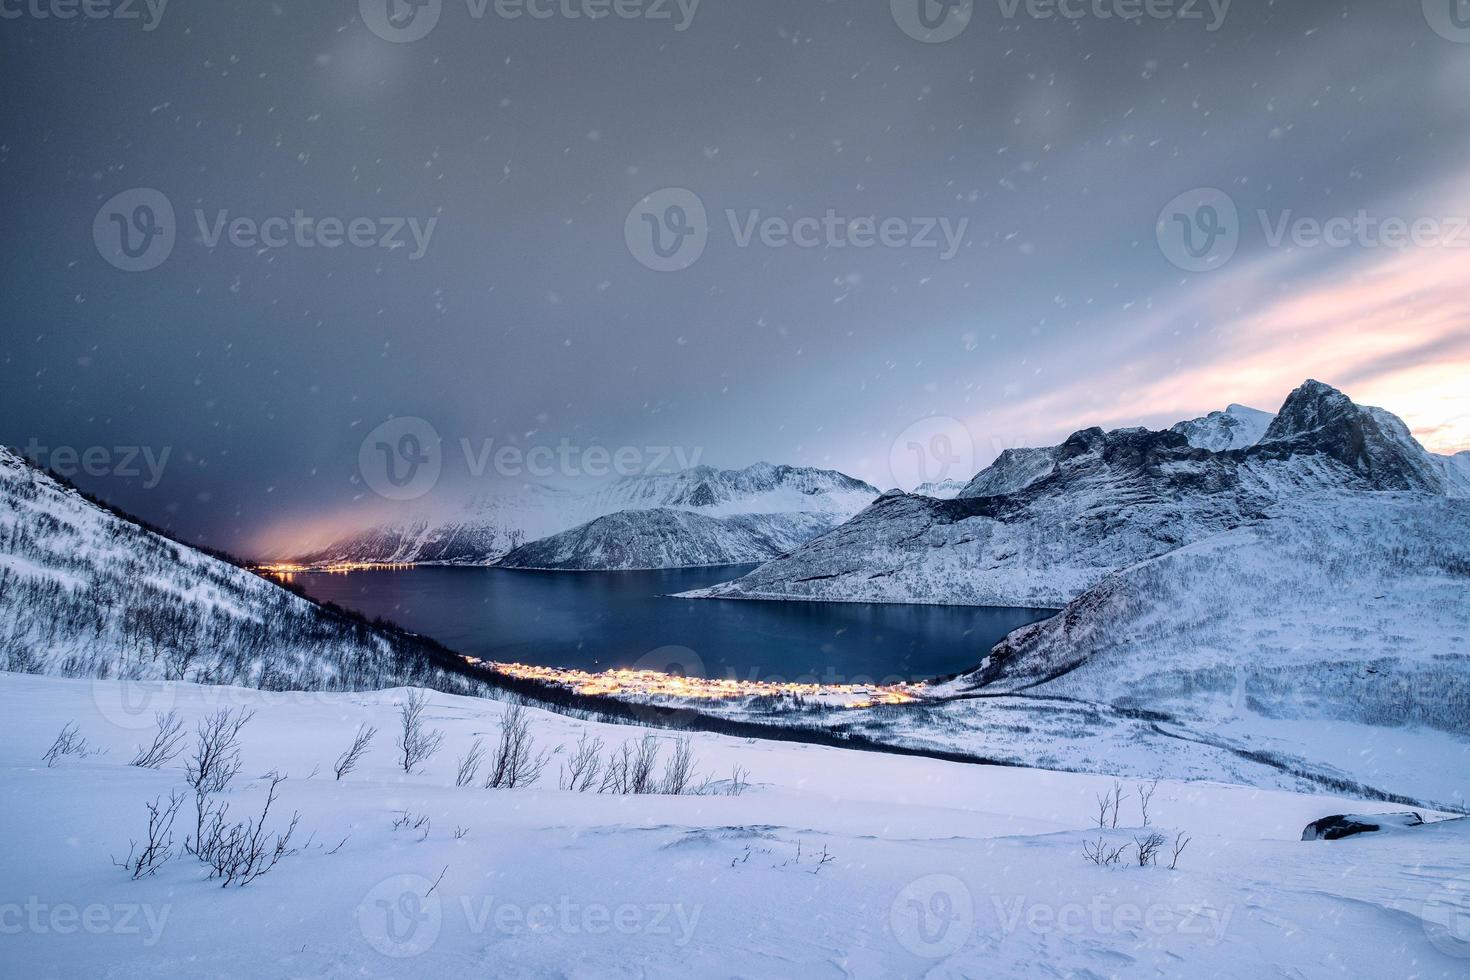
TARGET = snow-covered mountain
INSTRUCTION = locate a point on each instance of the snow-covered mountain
(1456, 472)
(1341, 606)
(667, 538)
(940, 489)
(1234, 428)
(1041, 526)
(85, 592)
(496, 523)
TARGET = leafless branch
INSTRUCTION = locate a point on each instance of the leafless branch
(416, 742)
(352, 755)
(167, 739)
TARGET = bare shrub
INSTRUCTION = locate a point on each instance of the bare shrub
(241, 852)
(580, 772)
(515, 762)
(468, 766)
(1118, 797)
(615, 775)
(1104, 807)
(739, 780)
(216, 759)
(68, 742)
(214, 764)
(416, 742)
(1180, 843)
(640, 770)
(679, 770)
(143, 860)
(407, 820)
(1145, 795)
(1147, 848)
(352, 755)
(1102, 853)
(168, 737)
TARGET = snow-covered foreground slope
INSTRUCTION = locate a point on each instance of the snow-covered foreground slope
(499, 521)
(665, 538)
(86, 593)
(832, 863)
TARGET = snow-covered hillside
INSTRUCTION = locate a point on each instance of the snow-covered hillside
(860, 865)
(499, 521)
(1331, 607)
(1234, 428)
(1040, 526)
(85, 593)
(666, 538)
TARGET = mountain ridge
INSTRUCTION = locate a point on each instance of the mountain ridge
(1040, 526)
(495, 524)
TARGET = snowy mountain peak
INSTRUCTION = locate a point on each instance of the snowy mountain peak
(940, 489)
(1310, 407)
(1373, 442)
(1237, 427)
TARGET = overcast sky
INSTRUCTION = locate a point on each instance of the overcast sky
(1028, 278)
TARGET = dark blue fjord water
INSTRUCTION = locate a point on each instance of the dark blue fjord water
(597, 620)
